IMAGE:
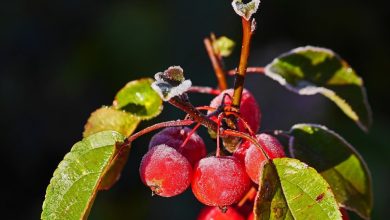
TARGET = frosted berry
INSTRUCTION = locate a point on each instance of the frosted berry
(165, 171)
(193, 150)
(240, 151)
(254, 157)
(219, 181)
(249, 109)
(215, 213)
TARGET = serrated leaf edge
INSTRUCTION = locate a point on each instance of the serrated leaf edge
(350, 147)
(85, 213)
(306, 167)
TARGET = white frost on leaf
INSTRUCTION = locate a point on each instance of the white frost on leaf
(245, 10)
(314, 49)
(172, 86)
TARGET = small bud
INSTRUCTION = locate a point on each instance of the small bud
(171, 83)
(173, 75)
(223, 46)
(245, 10)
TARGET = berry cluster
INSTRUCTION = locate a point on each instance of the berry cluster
(177, 159)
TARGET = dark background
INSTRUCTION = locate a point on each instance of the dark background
(61, 60)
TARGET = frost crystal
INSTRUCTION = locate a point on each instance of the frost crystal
(171, 83)
(245, 10)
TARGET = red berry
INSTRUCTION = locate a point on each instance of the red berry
(165, 171)
(240, 151)
(249, 109)
(193, 150)
(251, 216)
(215, 213)
(254, 157)
(219, 181)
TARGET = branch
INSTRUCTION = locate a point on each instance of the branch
(217, 66)
(240, 74)
(258, 70)
(204, 89)
(196, 115)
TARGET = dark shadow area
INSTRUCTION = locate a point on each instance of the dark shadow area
(61, 60)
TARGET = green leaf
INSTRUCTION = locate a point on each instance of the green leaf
(290, 189)
(109, 119)
(338, 162)
(114, 170)
(270, 202)
(223, 46)
(313, 70)
(75, 182)
(138, 98)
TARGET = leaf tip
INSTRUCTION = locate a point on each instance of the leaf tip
(245, 10)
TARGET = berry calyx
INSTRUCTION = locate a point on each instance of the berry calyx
(165, 171)
(215, 213)
(249, 109)
(193, 150)
(254, 157)
(219, 181)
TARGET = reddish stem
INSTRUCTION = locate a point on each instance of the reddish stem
(243, 121)
(240, 75)
(190, 134)
(219, 121)
(217, 65)
(247, 137)
(250, 195)
(158, 126)
(258, 70)
(193, 112)
(154, 127)
(205, 90)
(206, 108)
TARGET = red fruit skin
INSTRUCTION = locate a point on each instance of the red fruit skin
(251, 216)
(193, 150)
(220, 181)
(215, 213)
(254, 157)
(240, 151)
(249, 109)
(165, 171)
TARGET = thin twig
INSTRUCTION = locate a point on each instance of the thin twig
(248, 196)
(246, 125)
(190, 134)
(219, 121)
(159, 126)
(258, 70)
(234, 133)
(126, 144)
(217, 65)
(193, 112)
(205, 90)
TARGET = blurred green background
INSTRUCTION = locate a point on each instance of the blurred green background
(61, 60)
